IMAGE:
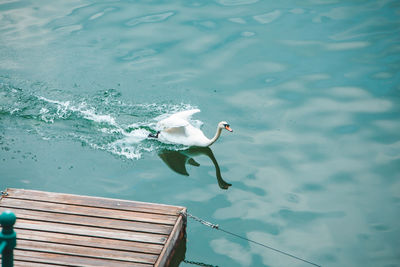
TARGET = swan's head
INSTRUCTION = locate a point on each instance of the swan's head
(224, 125)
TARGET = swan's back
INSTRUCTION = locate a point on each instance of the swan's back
(188, 136)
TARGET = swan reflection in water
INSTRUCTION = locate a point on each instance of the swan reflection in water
(177, 160)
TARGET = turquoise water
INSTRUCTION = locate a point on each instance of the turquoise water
(310, 88)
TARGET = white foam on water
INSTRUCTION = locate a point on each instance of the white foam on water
(128, 141)
(87, 112)
(134, 137)
(111, 131)
(90, 114)
(62, 110)
(130, 146)
(129, 152)
(44, 115)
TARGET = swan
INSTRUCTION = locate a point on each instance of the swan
(176, 129)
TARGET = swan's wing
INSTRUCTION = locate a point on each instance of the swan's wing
(180, 119)
(187, 114)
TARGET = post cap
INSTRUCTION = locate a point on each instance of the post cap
(7, 218)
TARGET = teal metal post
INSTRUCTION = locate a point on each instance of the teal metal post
(8, 238)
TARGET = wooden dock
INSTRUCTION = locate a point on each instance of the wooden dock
(56, 229)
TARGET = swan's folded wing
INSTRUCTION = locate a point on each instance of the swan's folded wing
(175, 130)
(171, 122)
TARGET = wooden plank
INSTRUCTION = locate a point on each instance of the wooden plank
(18, 263)
(89, 241)
(56, 229)
(72, 261)
(91, 221)
(167, 251)
(116, 204)
(91, 231)
(89, 211)
(100, 253)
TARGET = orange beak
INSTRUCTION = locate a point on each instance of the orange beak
(228, 128)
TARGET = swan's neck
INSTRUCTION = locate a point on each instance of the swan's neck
(215, 138)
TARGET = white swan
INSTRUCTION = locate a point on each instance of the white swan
(176, 129)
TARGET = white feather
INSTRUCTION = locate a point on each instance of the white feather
(177, 129)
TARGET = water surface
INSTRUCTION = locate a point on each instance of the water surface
(311, 89)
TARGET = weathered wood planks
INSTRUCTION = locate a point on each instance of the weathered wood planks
(56, 229)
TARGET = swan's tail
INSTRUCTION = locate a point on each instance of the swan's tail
(153, 135)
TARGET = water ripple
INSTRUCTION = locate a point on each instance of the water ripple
(268, 17)
(153, 18)
(236, 2)
(333, 46)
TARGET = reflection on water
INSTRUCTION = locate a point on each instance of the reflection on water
(177, 160)
(179, 253)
